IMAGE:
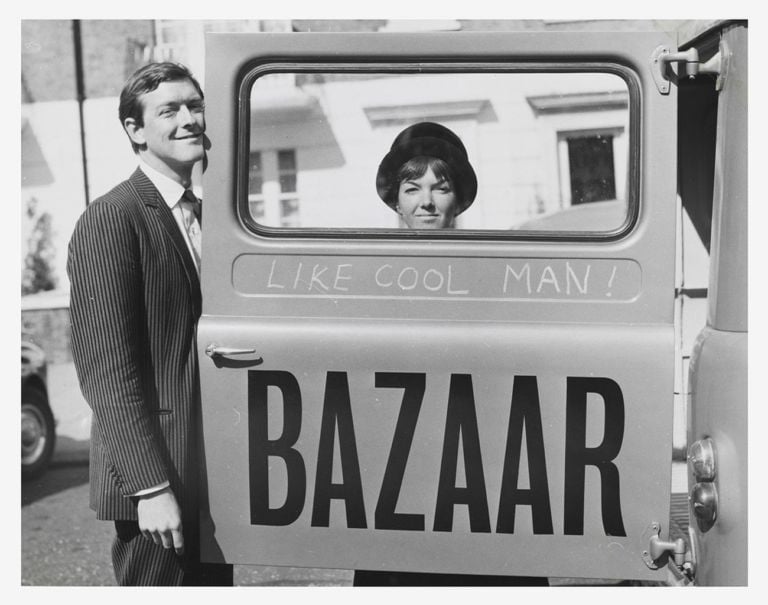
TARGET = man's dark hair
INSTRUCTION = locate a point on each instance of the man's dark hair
(145, 80)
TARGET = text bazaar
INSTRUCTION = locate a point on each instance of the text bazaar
(461, 427)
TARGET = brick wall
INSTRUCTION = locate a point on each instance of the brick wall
(47, 61)
(112, 50)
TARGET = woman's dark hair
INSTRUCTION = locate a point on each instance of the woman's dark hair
(424, 143)
(145, 80)
(416, 167)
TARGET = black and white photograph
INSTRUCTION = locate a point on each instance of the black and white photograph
(384, 302)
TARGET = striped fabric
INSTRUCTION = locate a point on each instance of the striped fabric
(156, 565)
(140, 562)
(135, 301)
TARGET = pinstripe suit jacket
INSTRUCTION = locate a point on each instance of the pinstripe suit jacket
(134, 305)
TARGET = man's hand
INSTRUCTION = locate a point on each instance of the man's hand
(160, 519)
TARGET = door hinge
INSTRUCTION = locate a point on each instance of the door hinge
(689, 66)
(662, 552)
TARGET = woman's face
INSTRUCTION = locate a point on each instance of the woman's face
(427, 202)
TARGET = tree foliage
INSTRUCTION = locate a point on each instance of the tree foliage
(38, 274)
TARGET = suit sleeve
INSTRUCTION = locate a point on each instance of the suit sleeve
(109, 342)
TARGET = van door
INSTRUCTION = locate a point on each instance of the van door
(494, 398)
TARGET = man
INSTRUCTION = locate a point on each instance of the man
(135, 301)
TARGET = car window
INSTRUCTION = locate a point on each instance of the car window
(542, 143)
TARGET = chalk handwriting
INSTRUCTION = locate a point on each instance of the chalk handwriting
(504, 279)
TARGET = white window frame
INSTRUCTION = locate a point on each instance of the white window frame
(608, 112)
(271, 195)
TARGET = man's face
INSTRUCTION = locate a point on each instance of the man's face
(174, 123)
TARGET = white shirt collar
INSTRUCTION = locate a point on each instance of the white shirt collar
(169, 189)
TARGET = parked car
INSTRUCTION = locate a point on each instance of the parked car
(38, 428)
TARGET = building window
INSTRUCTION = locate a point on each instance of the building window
(272, 187)
(286, 166)
(591, 166)
(289, 204)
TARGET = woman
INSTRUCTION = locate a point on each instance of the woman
(426, 177)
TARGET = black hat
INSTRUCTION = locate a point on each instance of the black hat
(427, 139)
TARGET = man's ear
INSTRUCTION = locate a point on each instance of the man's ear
(135, 132)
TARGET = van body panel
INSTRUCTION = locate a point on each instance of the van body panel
(485, 362)
(728, 277)
(341, 368)
(718, 376)
(718, 392)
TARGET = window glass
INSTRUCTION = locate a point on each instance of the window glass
(255, 177)
(504, 151)
(289, 212)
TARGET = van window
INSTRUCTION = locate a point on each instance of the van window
(551, 148)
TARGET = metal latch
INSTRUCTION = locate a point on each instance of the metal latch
(658, 552)
(214, 350)
(226, 357)
(688, 60)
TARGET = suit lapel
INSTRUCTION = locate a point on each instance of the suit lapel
(151, 198)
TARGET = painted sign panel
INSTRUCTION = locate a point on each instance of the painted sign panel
(464, 448)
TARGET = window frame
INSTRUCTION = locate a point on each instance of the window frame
(254, 70)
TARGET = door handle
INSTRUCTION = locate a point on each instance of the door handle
(214, 350)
